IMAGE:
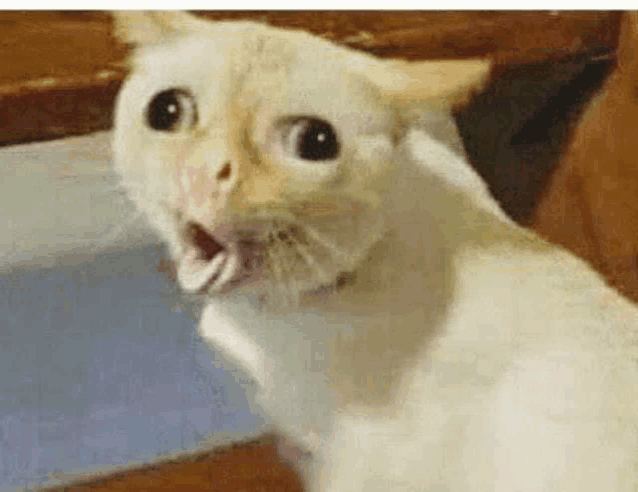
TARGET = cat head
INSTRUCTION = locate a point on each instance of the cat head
(266, 156)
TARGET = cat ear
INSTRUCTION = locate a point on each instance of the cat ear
(441, 84)
(136, 27)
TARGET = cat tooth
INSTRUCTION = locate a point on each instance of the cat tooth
(194, 274)
(228, 272)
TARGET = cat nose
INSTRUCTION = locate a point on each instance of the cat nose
(206, 180)
(225, 173)
(225, 176)
(211, 162)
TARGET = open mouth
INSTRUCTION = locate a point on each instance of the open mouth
(205, 244)
(209, 263)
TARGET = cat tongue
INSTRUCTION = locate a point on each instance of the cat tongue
(194, 273)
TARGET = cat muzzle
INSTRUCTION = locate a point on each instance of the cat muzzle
(211, 264)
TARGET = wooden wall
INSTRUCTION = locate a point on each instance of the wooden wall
(62, 70)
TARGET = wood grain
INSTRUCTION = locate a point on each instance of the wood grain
(507, 37)
(247, 466)
(40, 45)
(591, 204)
(62, 70)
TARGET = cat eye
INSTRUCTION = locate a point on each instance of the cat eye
(312, 139)
(171, 110)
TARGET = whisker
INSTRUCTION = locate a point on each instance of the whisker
(310, 260)
(333, 250)
(273, 264)
(298, 259)
(295, 292)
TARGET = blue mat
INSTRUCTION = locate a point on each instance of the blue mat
(101, 364)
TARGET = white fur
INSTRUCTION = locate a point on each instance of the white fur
(468, 355)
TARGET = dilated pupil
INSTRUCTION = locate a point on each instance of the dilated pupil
(165, 110)
(318, 141)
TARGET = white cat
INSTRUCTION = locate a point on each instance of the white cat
(402, 329)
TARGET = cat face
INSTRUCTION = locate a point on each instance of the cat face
(264, 157)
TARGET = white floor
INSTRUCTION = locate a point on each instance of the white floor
(100, 361)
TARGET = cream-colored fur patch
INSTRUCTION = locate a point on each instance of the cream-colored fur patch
(402, 329)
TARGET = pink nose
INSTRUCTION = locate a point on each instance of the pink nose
(205, 188)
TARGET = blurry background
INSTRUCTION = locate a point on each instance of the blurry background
(100, 361)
